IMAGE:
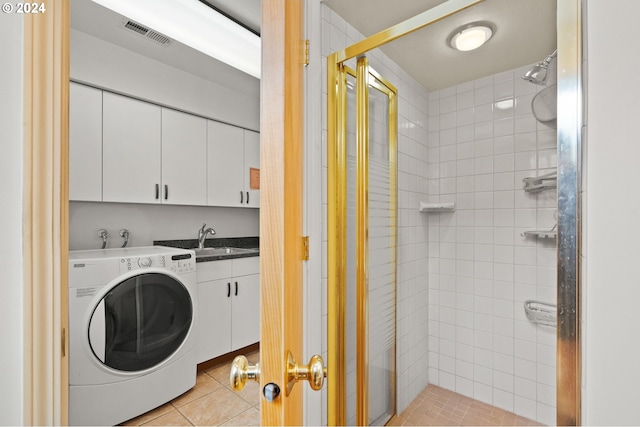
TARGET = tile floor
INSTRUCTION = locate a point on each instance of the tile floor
(436, 406)
(212, 403)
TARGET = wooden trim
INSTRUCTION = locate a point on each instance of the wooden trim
(46, 202)
(204, 366)
(281, 148)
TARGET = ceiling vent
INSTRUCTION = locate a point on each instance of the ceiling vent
(145, 32)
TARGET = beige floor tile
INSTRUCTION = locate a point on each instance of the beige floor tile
(437, 406)
(154, 413)
(204, 385)
(251, 393)
(173, 418)
(253, 357)
(221, 373)
(250, 417)
(215, 408)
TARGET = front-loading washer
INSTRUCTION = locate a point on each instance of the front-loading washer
(132, 337)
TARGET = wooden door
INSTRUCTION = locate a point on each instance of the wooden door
(281, 149)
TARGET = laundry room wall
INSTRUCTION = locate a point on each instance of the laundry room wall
(108, 66)
(147, 223)
(105, 65)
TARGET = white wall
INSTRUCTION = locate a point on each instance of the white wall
(11, 143)
(147, 223)
(481, 268)
(612, 210)
(108, 66)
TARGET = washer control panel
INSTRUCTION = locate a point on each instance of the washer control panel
(183, 263)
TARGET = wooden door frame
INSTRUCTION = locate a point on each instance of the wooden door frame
(45, 213)
(281, 202)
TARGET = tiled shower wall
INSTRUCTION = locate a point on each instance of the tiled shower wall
(412, 276)
(483, 140)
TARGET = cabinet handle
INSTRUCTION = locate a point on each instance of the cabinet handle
(241, 197)
(228, 290)
(166, 191)
(247, 197)
(236, 288)
(157, 191)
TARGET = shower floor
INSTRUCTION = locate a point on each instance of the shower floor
(436, 406)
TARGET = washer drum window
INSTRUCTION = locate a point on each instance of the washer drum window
(140, 322)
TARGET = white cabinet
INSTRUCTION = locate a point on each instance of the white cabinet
(252, 168)
(228, 306)
(131, 150)
(225, 156)
(232, 153)
(152, 154)
(214, 318)
(85, 143)
(126, 150)
(184, 158)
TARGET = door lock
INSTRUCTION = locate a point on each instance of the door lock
(271, 392)
(314, 372)
(241, 371)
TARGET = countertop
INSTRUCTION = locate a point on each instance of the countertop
(232, 242)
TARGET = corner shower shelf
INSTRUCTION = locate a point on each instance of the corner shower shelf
(542, 182)
(437, 207)
(545, 234)
(541, 313)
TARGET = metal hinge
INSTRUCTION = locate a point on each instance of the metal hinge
(306, 52)
(64, 342)
(305, 248)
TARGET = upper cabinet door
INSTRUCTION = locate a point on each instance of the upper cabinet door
(184, 158)
(225, 165)
(252, 168)
(85, 143)
(131, 150)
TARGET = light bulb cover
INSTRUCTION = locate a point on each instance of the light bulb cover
(471, 36)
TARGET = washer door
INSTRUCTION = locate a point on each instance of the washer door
(140, 322)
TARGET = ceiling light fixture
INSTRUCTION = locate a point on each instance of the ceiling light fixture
(470, 36)
(196, 25)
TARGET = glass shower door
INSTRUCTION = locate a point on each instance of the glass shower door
(381, 249)
(369, 238)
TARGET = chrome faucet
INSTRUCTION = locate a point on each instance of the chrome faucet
(202, 235)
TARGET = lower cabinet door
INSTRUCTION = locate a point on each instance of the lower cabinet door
(214, 318)
(245, 312)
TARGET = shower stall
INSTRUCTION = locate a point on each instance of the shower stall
(478, 284)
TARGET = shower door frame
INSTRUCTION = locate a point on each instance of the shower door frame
(570, 121)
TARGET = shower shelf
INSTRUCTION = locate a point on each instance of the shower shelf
(542, 182)
(544, 234)
(437, 207)
(541, 313)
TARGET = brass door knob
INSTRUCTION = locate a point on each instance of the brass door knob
(314, 372)
(241, 371)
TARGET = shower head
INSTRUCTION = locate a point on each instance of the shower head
(538, 74)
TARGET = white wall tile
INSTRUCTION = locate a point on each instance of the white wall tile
(495, 144)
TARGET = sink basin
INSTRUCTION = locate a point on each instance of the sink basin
(222, 251)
